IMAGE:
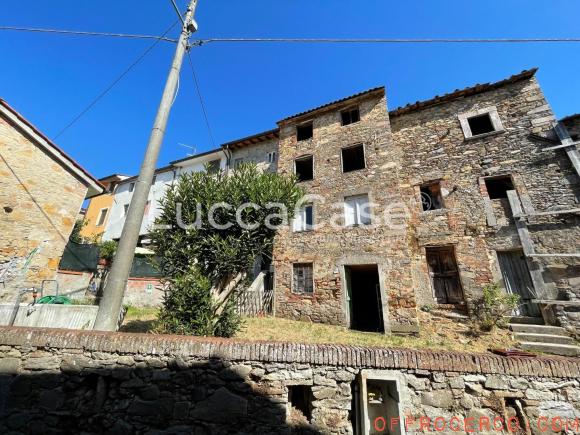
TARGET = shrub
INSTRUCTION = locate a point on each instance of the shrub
(493, 307)
(206, 266)
(108, 250)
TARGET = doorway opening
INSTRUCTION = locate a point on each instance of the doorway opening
(517, 280)
(444, 275)
(364, 297)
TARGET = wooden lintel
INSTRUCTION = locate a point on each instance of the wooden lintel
(549, 213)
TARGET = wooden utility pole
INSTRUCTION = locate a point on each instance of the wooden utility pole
(112, 300)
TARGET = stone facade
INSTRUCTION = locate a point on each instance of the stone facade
(434, 148)
(55, 381)
(40, 199)
(329, 248)
(406, 149)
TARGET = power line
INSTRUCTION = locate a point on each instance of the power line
(197, 87)
(177, 11)
(113, 84)
(199, 42)
(83, 33)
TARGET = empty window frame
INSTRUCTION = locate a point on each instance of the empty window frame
(480, 122)
(431, 198)
(272, 157)
(302, 278)
(304, 131)
(131, 187)
(350, 116)
(353, 158)
(304, 219)
(304, 168)
(214, 166)
(299, 404)
(497, 187)
(357, 210)
(125, 209)
(102, 217)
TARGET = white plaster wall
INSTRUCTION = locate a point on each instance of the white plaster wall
(164, 179)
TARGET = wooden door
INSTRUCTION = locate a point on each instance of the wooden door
(517, 280)
(444, 275)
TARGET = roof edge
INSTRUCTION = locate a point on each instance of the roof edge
(327, 106)
(460, 93)
(58, 153)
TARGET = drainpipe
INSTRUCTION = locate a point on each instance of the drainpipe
(228, 154)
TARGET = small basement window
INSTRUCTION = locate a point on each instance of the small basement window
(431, 198)
(304, 168)
(481, 124)
(353, 158)
(304, 132)
(299, 405)
(498, 187)
(350, 116)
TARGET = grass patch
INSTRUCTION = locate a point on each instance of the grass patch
(436, 333)
(139, 319)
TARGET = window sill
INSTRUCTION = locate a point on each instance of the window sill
(302, 231)
(484, 135)
(434, 211)
(305, 181)
(354, 170)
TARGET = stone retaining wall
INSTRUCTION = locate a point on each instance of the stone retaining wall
(57, 381)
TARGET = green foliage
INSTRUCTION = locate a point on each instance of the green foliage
(75, 235)
(108, 250)
(493, 307)
(201, 255)
(188, 309)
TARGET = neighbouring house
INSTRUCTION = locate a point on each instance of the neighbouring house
(425, 205)
(42, 190)
(99, 208)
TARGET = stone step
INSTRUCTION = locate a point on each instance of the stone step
(526, 320)
(556, 349)
(543, 338)
(537, 329)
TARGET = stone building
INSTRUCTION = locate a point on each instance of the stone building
(435, 177)
(41, 192)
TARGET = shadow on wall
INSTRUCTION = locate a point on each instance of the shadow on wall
(209, 397)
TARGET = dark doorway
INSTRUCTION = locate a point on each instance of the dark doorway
(444, 275)
(517, 280)
(364, 294)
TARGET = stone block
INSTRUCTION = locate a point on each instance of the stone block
(495, 382)
(438, 399)
(9, 366)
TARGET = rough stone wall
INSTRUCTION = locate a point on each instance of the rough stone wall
(258, 154)
(434, 148)
(56, 381)
(328, 248)
(39, 202)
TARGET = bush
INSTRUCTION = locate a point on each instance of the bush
(108, 250)
(188, 309)
(206, 266)
(493, 307)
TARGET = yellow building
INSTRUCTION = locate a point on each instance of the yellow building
(99, 208)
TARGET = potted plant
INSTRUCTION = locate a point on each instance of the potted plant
(107, 252)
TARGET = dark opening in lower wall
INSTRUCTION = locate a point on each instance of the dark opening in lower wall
(299, 405)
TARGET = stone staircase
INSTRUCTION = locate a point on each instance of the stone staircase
(534, 336)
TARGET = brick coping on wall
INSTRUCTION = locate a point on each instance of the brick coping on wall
(317, 354)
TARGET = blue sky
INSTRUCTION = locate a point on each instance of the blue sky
(247, 88)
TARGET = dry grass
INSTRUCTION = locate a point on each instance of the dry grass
(436, 333)
(441, 334)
